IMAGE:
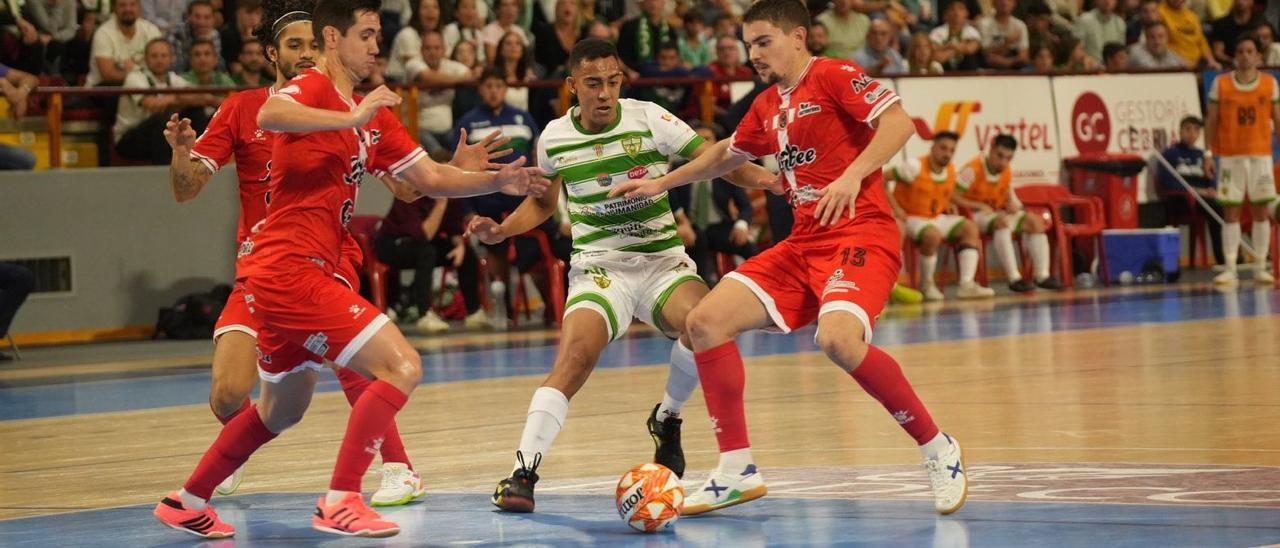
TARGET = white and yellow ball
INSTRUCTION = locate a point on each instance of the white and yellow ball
(650, 497)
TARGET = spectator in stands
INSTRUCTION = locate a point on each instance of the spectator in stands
(1226, 30)
(1148, 12)
(421, 236)
(956, 43)
(1154, 52)
(167, 15)
(1042, 59)
(16, 282)
(255, 71)
(719, 215)
(468, 56)
(696, 49)
(140, 119)
(818, 42)
(1004, 37)
(920, 58)
(552, 41)
(1186, 34)
(598, 29)
(1100, 26)
(435, 114)
(879, 56)
(55, 25)
(1075, 59)
(204, 67)
(1191, 163)
(639, 37)
(199, 27)
(466, 27)
(1042, 27)
(1266, 36)
(1115, 57)
(407, 46)
(675, 99)
(119, 44)
(393, 15)
(17, 86)
(914, 15)
(728, 65)
(516, 64)
(248, 16)
(846, 28)
(506, 24)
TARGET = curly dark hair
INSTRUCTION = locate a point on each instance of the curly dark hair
(274, 10)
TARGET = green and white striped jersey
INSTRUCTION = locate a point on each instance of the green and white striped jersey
(640, 144)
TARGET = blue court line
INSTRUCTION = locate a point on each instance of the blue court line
(895, 328)
(276, 519)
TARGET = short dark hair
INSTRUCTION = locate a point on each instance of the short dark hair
(272, 13)
(201, 42)
(249, 5)
(785, 14)
(1039, 8)
(946, 135)
(1248, 37)
(339, 14)
(1110, 49)
(692, 16)
(1191, 119)
(1155, 24)
(160, 40)
(590, 49)
(194, 3)
(668, 45)
(1004, 140)
(492, 73)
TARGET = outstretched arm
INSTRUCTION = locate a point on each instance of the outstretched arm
(717, 160)
(446, 181)
(533, 211)
(283, 114)
(748, 175)
(186, 175)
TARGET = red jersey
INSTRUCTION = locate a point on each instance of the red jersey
(816, 129)
(315, 178)
(233, 132)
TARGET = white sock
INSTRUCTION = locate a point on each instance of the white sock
(1261, 241)
(968, 265)
(935, 446)
(928, 266)
(1038, 245)
(734, 462)
(681, 381)
(335, 496)
(1230, 244)
(192, 502)
(547, 411)
(1003, 238)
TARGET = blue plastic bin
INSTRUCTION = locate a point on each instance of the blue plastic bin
(1129, 249)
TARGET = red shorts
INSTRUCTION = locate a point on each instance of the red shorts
(235, 313)
(306, 317)
(850, 268)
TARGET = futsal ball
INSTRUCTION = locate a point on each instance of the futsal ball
(650, 497)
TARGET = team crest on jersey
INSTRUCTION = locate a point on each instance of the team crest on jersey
(631, 145)
(666, 117)
(599, 148)
(604, 179)
(345, 213)
(246, 247)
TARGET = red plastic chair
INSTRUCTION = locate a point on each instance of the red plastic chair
(364, 228)
(725, 263)
(1194, 218)
(552, 267)
(1089, 222)
(911, 250)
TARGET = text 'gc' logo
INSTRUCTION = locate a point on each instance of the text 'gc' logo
(1090, 124)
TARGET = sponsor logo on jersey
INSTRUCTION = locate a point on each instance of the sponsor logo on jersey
(875, 95)
(804, 195)
(604, 179)
(837, 284)
(345, 213)
(317, 343)
(599, 148)
(356, 310)
(808, 108)
(635, 230)
(259, 135)
(793, 157)
(861, 83)
(631, 145)
(638, 172)
(246, 247)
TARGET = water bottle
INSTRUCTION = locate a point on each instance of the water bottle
(1085, 280)
(498, 302)
(1126, 278)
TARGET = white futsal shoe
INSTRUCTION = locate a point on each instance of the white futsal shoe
(932, 293)
(229, 485)
(971, 290)
(948, 477)
(723, 490)
(400, 485)
(1262, 277)
(1227, 277)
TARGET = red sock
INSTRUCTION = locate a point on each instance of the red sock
(353, 385)
(723, 379)
(371, 415)
(880, 375)
(242, 435)
(224, 420)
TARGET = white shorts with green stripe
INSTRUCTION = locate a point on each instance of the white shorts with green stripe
(987, 221)
(637, 286)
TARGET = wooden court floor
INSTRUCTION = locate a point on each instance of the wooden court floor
(1202, 391)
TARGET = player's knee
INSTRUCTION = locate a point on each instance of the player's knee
(278, 419)
(703, 325)
(1001, 223)
(844, 350)
(930, 240)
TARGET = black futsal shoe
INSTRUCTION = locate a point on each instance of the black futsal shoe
(515, 494)
(666, 441)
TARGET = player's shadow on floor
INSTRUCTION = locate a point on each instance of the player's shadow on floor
(723, 531)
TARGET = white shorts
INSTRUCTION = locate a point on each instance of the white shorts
(1245, 176)
(946, 224)
(987, 221)
(635, 287)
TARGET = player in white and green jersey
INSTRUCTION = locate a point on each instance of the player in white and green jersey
(628, 260)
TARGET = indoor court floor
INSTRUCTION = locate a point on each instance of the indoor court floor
(1143, 416)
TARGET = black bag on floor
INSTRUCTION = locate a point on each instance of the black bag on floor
(192, 316)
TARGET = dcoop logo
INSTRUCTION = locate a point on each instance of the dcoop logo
(1090, 124)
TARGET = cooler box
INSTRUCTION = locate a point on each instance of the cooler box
(1112, 177)
(1130, 250)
